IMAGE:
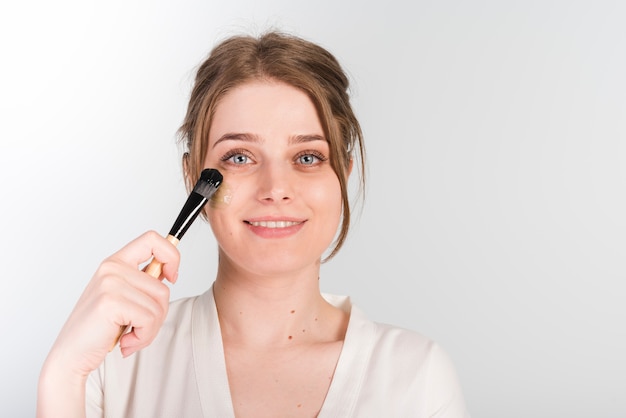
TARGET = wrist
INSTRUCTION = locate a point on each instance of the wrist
(60, 391)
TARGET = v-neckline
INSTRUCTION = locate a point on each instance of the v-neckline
(210, 363)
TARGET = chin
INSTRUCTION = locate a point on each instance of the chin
(275, 263)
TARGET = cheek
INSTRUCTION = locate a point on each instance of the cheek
(326, 194)
(226, 205)
(221, 224)
(223, 197)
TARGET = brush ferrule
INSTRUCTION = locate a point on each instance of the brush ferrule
(207, 185)
(190, 211)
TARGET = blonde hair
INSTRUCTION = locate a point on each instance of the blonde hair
(291, 60)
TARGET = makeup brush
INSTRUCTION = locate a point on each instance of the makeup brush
(205, 188)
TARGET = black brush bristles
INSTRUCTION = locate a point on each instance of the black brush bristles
(209, 181)
(205, 188)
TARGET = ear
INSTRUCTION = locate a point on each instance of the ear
(350, 166)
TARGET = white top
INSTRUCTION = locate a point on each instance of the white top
(383, 371)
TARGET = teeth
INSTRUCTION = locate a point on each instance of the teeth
(274, 224)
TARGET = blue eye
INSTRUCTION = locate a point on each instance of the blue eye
(308, 159)
(239, 159)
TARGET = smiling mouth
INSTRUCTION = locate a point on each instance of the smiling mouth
(273, 224)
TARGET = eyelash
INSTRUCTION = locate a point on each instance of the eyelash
(232, 153)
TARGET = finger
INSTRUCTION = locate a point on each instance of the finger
(149, 245)
(161, 271)
(137, 339)
(145, 315)
(141, 293)
(145, 327)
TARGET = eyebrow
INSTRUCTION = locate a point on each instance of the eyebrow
(296, 139)
(237, 137)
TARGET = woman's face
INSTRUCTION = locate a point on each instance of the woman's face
(284, 200)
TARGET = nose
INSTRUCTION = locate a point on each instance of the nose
(276, 184)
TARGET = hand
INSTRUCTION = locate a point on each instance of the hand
(118, 294)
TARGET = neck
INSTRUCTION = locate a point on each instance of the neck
(275, 310)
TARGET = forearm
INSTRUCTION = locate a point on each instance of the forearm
(60, 393)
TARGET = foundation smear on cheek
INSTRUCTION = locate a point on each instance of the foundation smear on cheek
(222, 196)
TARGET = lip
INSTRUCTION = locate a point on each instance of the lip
(274, 227)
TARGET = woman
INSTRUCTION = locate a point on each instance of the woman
(273, 116)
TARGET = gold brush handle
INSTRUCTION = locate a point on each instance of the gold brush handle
(154, 269)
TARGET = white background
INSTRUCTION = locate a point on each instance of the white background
(494, 220)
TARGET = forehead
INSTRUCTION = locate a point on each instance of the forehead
(265, 108)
